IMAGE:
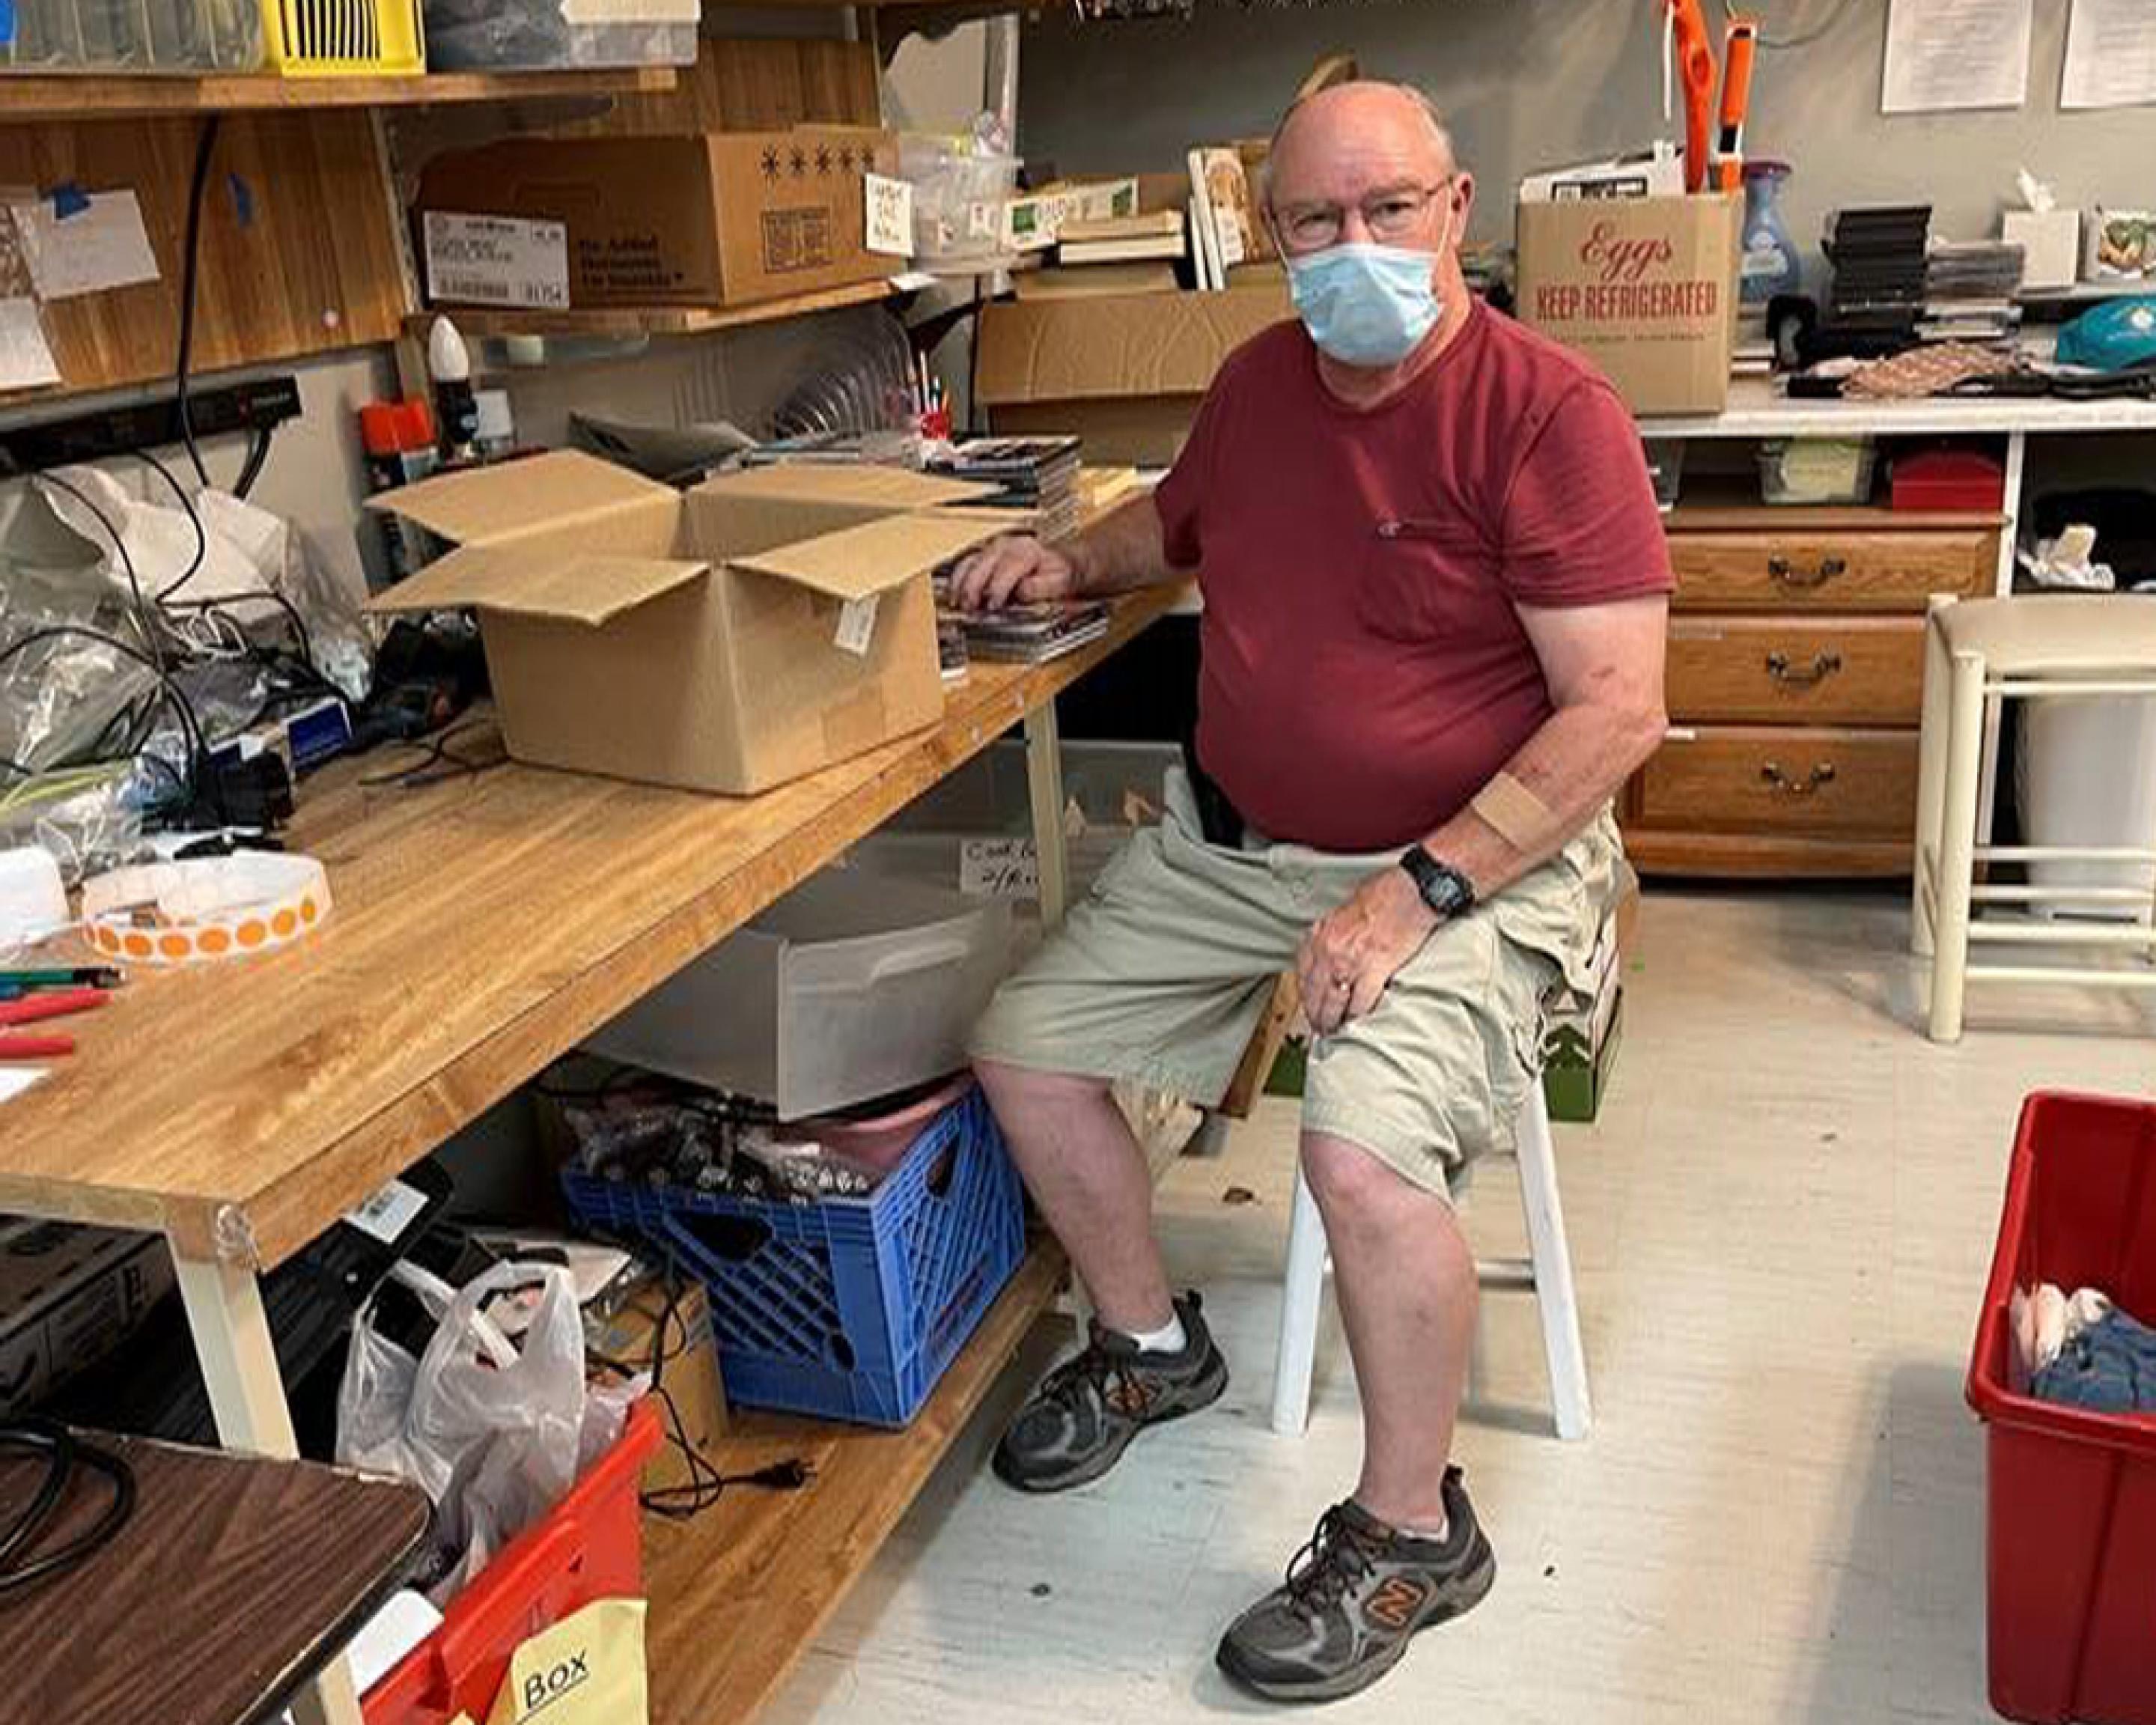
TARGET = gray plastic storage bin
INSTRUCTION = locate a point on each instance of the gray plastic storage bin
(849, 988)
(536, 35)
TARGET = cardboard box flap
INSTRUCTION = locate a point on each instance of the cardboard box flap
(489, 505)
(870, 486)
(585, 587)
(873, 557)
(1116, 345)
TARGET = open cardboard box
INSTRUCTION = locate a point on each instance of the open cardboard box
(1124, 372)
(761, 626)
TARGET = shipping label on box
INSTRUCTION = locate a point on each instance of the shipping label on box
(795, 240)
(1645, 287)
(496, 260)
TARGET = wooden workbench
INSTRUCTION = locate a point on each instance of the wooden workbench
(483, 926)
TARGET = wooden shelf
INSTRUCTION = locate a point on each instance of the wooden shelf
(38, 96)
(545, 903)
(600, 321)
(739, 1594)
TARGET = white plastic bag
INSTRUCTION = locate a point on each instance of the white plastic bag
(492, 1431)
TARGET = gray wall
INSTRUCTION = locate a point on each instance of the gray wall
(1530, 83)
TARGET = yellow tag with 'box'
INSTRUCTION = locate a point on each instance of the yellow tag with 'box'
(587, 1669)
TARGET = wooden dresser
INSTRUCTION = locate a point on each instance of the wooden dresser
(1795, 686)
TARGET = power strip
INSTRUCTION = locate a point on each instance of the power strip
(98, 433)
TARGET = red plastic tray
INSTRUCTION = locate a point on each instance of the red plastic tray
(589, 1546)
(2070, 1557)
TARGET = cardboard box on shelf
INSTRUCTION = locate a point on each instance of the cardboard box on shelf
(1123, 372)
(68, 1295)
(626, 1331)
(703, 219)
(762, 626)
(1645, 287)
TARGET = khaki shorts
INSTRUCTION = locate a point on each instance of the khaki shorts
(1161, 975)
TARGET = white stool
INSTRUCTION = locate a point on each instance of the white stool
(2057, 646)
(1547, 1273)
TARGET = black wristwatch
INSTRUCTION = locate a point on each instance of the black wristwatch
(1443, 887)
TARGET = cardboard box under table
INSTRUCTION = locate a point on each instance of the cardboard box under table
(755, 629)
(1645, 287)
(702, 219)
(1125, 371)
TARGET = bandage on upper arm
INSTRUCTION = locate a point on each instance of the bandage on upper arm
(1515, 813)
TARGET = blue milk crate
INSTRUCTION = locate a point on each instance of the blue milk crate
(850, 1308)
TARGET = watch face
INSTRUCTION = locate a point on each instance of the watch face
(1443, 888)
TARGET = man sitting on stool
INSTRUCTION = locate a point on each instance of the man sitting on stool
(1435, 586)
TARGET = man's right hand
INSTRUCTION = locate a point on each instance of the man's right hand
(1016, 569)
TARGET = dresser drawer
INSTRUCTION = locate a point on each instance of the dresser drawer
(1801, 779)
(1827, 571)
(1796, 670)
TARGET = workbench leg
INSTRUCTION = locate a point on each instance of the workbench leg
(247, 1397)
(1044, 782)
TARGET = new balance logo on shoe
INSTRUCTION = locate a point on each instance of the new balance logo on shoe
(1394, 1605)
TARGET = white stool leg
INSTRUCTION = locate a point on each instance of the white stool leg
(1302, 1294)
(1957, 878)
(1552, 1265)
(1931, 783)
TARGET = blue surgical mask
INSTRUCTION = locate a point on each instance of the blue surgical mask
(1366, 305)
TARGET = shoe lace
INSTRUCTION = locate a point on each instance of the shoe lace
(1095, 1369)
(1335, 1559)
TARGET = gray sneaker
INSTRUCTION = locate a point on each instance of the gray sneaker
(1354, 1596)
(1089, 1408)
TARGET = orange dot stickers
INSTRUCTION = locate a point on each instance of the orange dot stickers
(204, 908)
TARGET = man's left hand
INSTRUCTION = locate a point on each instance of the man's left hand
(1350, 956)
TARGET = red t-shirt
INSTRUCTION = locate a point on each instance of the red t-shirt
(1365, 673)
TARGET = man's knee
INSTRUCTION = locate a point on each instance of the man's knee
(1358, 1191)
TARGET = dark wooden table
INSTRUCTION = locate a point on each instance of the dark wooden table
(233, 1581)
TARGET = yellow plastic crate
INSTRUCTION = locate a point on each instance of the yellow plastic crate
(343, 38)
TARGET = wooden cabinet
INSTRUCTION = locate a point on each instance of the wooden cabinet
(1795, 684)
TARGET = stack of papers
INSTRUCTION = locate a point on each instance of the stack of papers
(1035, 475)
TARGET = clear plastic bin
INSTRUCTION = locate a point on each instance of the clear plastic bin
(1114, 788)
(849, 988)
(1816, 470)
(135, 36)
(959, 192)
(534, 35)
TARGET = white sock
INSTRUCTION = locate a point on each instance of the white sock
(1443, 1533)
(1168, 1338)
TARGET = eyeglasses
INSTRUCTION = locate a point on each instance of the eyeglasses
(1390, 215)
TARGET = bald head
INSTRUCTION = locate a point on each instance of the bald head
(1362, 116)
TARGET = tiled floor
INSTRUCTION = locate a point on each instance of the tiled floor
(1781, 1227)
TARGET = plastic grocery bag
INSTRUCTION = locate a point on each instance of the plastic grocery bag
(587, 1669)
(492, 1429)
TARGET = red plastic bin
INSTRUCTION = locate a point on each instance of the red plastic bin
(2072, 1512)
(589, 1546)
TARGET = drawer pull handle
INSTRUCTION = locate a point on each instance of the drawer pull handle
(1822, 666)
(1781, 785)
(1782, 570)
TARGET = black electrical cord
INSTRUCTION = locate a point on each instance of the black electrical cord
(258, 452)
(706, 1484)
(190, 268)
(190, 726)
(67, 1456)
(194, 521)
(145, 619)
